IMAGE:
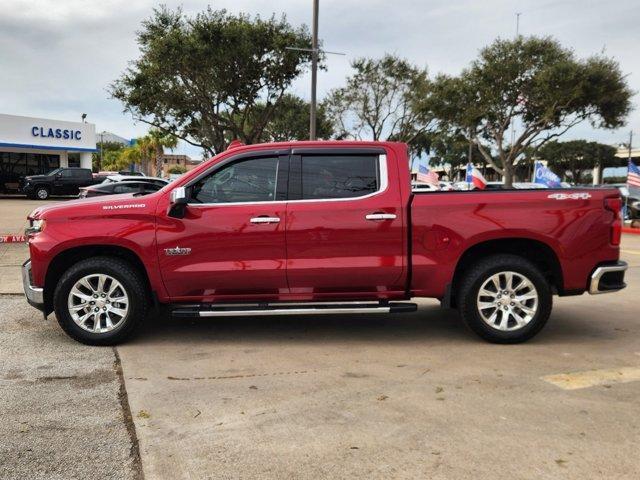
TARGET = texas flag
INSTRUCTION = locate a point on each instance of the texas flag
(474, 176)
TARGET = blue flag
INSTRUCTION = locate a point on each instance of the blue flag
(544, 176)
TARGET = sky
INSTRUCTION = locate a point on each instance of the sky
(57, 57)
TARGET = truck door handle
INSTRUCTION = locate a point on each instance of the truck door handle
(265, 220)
(381, 216)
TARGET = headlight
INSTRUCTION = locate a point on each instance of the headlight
(35, 226)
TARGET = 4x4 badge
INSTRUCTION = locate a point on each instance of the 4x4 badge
(177, 251)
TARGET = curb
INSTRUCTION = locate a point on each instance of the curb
(13, 238)
(633, 231)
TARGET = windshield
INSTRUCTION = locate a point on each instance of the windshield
(53, 172)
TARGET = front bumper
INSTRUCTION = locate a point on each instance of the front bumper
(608, 278)
(35, 295)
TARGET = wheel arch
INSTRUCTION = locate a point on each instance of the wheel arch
(63, 260)
(537, 252)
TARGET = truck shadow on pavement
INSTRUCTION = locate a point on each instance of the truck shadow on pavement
(430, 324)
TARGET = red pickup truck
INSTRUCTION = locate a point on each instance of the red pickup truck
(318, 228)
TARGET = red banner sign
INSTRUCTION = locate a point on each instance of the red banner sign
(13, 238)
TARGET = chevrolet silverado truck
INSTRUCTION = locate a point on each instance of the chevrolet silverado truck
(319, 228)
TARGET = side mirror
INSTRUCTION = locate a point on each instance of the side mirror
(178, 202)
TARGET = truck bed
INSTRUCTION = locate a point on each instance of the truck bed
(449, 228)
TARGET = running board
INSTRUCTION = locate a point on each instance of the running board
(218, 310)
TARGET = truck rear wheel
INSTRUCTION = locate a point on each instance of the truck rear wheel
(505, 299)
(100, 301)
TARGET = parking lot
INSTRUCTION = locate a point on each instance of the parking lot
(400, 396)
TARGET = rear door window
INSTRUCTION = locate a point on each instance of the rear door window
(339, 176)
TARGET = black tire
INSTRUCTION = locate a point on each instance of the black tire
(41, 192)
(484, 269)
(133, 284)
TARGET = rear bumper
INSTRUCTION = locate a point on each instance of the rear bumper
(608, 278)
(35, 295)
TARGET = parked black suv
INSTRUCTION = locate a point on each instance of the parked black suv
(61, 181)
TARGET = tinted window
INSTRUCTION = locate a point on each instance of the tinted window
(126, 188)
(152, 187)
(339, 176)
(67, 174)
(252, 180)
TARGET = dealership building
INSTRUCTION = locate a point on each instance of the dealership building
(36, 146)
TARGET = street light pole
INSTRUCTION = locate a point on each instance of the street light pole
(314, 71)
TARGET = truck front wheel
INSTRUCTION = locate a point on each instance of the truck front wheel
(100, 301)
(505, 299)
(41, 193)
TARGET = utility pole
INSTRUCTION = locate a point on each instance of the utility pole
(630, 140)
(513, 127)
(314, 71)
(314, 68)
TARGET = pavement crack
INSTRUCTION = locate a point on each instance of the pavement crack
(128, 418)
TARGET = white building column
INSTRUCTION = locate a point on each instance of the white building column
(85, 160)
(64, 159)
(596, 175)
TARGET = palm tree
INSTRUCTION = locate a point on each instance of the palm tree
(153, 145)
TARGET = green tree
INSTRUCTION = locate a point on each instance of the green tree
(131, 155)
(109, 151)
(202, 78)
(290, 121)
(577, 158)
(451, 151)
(177, 169)
(153, 144)
(533, 84)
(378, 101)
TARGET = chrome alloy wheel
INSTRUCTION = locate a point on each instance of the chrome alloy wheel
(98, 303)
(507, 301)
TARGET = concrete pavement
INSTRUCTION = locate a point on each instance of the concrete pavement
(60, 403)
(405, 396)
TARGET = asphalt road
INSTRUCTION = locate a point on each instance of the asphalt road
(404, 396)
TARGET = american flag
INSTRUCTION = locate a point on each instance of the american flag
(427, 176)
(633, 177)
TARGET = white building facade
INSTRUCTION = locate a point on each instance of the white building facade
(36, 146)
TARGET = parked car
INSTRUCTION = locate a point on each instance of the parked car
(317, 228)
(105, 173)
(142, 187)
(61, 181)
(424, 187)
(632, 201)
(117, 177)
(516, 185)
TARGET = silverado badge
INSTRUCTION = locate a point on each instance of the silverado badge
(177, 251)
